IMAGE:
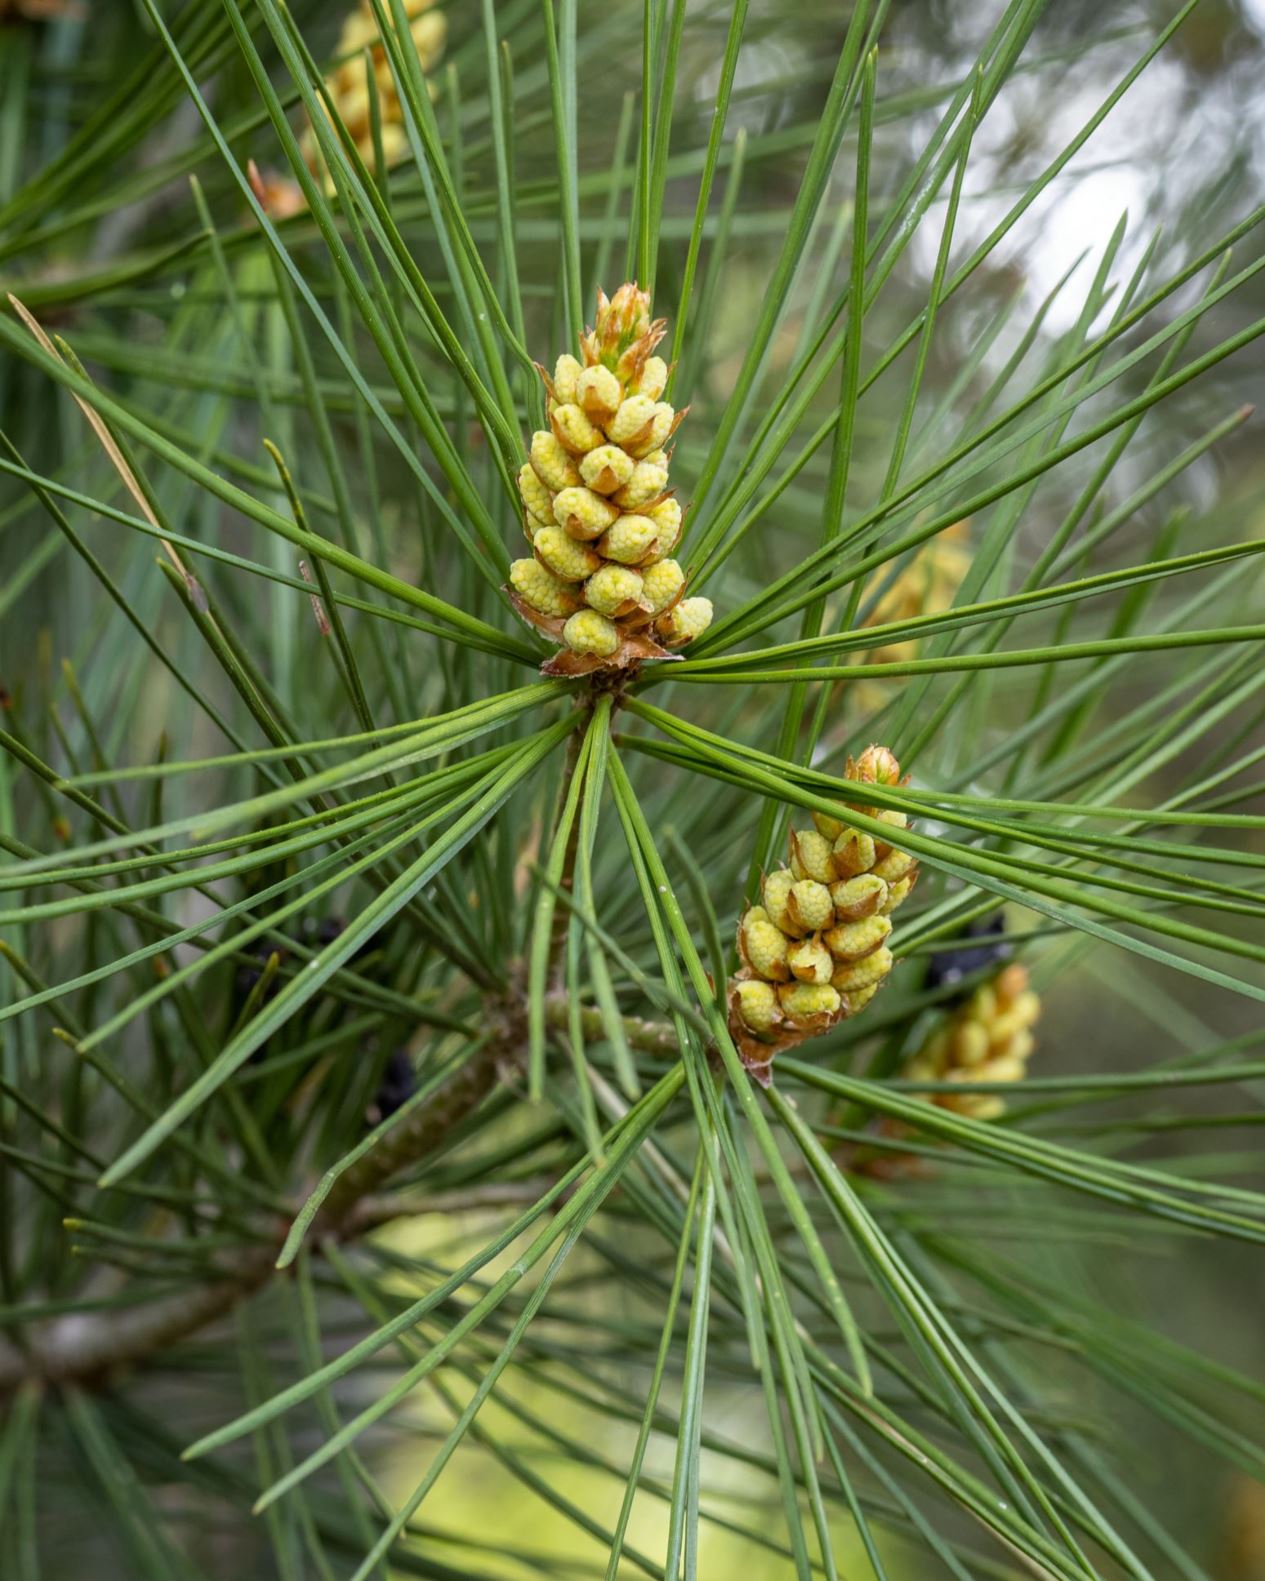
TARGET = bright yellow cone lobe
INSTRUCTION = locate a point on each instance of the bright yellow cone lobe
(852, 853)
(600, 393)
(764, 945)
(645, 482)
(805, 1001)
(894, 866)
(896, 892)
(987, 1038)
(552, 464)
(776, 894)
(810, 856)
(537, 499)
(810, 961)
(607, 468)
(573, 430)
(868, 972)
(822, 931)
(809, 906)
(566, 378)
(641, 425)
(629, 540)
(613, 590)
(598, 476)
(541, 589)
(661, 585)
(825, 824)
(685, 621)
(666, 516)
(856, 898)
(654, 378)
(568, 560)
(583, 514)
(589, 632)
(757, 1004)
(851, 940)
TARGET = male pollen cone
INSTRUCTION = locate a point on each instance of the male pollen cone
(816, 950)
(597, 509)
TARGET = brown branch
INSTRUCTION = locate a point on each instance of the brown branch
(423, 1131)
(561, 918)
(384, 1207)
(651, 1037)
(90, 1347)
(87, 1347)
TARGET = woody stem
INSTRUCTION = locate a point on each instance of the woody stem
(561, 919)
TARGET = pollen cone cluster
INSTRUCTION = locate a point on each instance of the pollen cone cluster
(361, 50)
(816, 950)
(926, 586)
(987, 1038)
(597, 509)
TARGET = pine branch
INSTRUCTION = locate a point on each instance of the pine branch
(92, 1347)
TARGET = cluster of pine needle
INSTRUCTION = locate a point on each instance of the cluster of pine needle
(481, 1091)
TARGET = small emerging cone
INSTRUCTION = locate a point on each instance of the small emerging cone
(927, 585)
(361, 54)
(987, 1038)
(596, 487)
(816, 950)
